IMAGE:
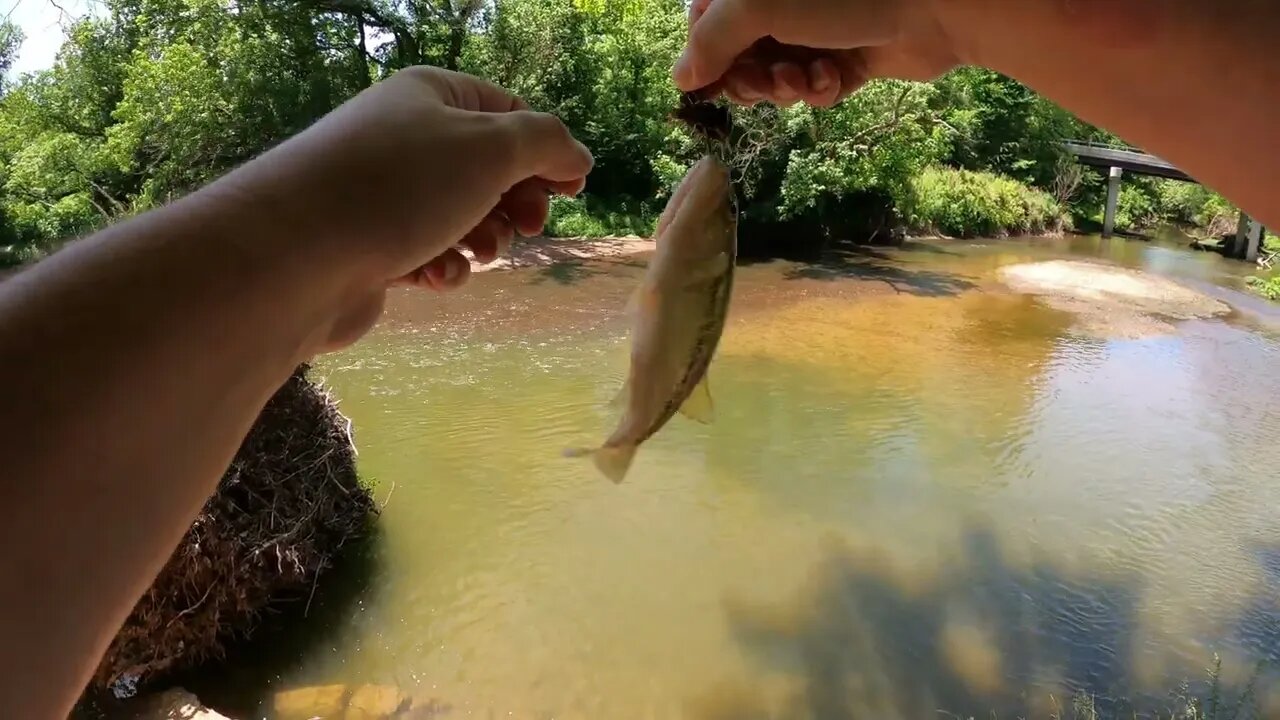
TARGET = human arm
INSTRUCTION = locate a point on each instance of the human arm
(136, 360)
(1190, 81)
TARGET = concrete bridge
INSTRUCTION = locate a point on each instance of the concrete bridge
(1121, 159)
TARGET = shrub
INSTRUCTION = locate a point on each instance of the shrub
(1182, 202)
(587, 217)
(967, 204)
(1137, 207)
(1268, 288)
(18, 255)
(569, 218)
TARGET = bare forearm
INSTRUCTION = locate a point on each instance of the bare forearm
(134, 363)
(1185, 79)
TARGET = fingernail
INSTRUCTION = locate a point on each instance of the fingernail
(821, 78)
(451, 271)
(781, 88)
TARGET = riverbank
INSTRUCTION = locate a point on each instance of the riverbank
(542, 251)
(288, 505)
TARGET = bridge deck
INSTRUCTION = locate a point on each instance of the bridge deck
(1129, 160)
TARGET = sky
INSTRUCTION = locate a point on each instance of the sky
(41, 22)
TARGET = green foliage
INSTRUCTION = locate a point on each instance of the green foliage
(1137, 207)
(157, 98)
(1145, 202)
(1217, 215)
(586, 217)
(603, 67)
(965, 203)
(1181, 202)
(1271, 242)
(878, 140)
(152, 98)
(1267, 287)
(1003, 127)
(11, 38)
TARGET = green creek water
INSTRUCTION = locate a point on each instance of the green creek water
(921, 492)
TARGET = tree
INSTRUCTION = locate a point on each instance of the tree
(156, 97)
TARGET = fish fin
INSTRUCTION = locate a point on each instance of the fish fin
(698, 406)
(613, 462)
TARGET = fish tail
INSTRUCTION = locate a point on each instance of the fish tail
(612, 461)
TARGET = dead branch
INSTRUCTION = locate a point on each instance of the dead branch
(893, 122)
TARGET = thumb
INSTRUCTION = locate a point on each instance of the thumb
(542, 146)
(719, 32)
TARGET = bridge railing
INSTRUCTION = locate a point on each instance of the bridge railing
(1105, 146)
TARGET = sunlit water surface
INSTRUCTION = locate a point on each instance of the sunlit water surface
(921, 492)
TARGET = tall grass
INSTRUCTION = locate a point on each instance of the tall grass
(586, 217)
(964, 203)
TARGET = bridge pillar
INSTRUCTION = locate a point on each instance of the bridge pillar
(1248, 239)
(1253, 241)
(1241, 237)
(1113, 200)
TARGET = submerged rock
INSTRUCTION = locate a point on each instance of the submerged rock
(346, 702)
(1111, 301)
(327, 701)
(174, 704)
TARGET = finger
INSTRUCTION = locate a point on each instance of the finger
(567, 187)
(463, 91)
(824, 83)
(711, 91)
(449, 271)
(526, 206)
(789, 83)
(748, 82)
(741, 94)
(696, 10)
(852, 67)
(490, 238)
(541, 146)
(722, 32)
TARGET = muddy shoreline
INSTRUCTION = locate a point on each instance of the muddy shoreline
(542, 251)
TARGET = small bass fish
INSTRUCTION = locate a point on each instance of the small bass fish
(677, 315)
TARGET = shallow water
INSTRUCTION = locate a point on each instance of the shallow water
(921, 492)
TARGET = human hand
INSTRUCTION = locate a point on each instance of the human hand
(816, 51)
(390, 184)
